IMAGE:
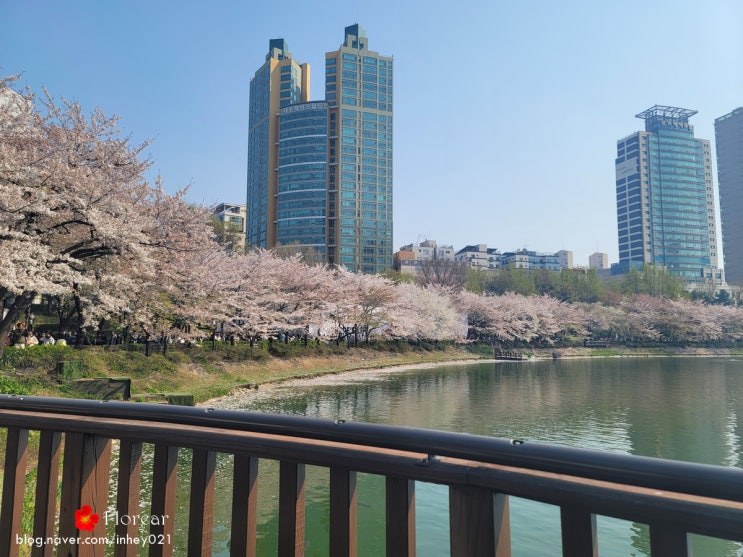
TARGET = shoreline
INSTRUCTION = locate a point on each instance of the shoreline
(364, 373)
(336, 376)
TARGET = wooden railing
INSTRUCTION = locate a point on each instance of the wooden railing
(77, 437)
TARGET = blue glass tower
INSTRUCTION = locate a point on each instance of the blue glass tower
(303, 176)
(665, 201)
(358, 87)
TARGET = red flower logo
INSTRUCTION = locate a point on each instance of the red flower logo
(85, 518)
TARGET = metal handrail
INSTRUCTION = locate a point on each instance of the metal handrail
(682, 477)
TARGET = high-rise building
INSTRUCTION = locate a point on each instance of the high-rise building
(665, 200)
(320, 172)
(301, 220)
(279, 82)
(729, 144)
(358, 85)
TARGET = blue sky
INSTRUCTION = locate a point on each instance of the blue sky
(506, 113)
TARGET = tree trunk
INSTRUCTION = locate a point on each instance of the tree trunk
(100, 334)
(79, 309)
(15, 310)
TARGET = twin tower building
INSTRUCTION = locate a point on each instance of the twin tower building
(320, 172)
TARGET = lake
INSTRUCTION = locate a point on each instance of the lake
(676, 408)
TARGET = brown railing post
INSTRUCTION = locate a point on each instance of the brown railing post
(667, 540)
(47, 479)
(343, 518)
(201, 509)
(400, 505)
(244, 506)
(85, 475)
(479, 523)
(578, 532)
(70, 497)
(164, 485)
(14, 480)
(291, 509)
(127, 495)
(95, 488)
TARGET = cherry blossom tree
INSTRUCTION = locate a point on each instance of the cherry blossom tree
(71, 193)
(424, 313)
(303, 293)
(361, 305)
(266, 293)
(510, 318)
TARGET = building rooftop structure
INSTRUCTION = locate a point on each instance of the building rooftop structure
(661, 112)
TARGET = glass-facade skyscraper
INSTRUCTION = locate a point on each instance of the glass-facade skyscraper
(279, 82)
(301, 222)
(320, 173)
(729, 145)
(665, 199)
(358, 84)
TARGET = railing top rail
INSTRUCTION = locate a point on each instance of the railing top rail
(683, 477)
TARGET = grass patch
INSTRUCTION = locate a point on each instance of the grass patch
(605, 352)
(16, 386)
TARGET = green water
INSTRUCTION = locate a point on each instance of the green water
(681, 408)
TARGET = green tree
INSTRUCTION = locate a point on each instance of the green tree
(516, 280)
(477, 280)
(654, 281)
(594, 290)
(723, 298)
(398, 277)
(546, 282)
(498, 282)
(522, 282)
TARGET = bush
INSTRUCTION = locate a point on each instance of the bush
(480, 348)
(15, 386)
(42, 356)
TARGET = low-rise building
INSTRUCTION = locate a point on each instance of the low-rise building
(599, 261)
(233, 218)
(408, 258)
(565, 259)
(479, 256)
(232, 215)
(527, 259)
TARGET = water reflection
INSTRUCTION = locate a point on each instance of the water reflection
(684, 409)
